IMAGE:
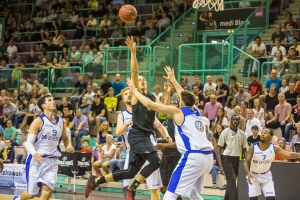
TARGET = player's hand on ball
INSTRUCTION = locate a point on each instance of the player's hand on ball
(249, 178)
(131, 44)
(38, 157)
(70, 149)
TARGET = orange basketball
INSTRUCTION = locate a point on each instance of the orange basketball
(127, 13)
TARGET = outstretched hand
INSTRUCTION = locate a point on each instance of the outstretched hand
(167, 87)
(170, 73)
(131, 44)
(130, 84)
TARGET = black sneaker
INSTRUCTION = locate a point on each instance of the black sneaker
(91, 185)
(223, 187)
(179, 198)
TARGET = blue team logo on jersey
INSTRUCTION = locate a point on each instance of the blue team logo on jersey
(199, 126)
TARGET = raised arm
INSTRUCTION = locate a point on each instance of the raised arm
(285, 154)
(247, 163)
(172, 79)
(133, 67)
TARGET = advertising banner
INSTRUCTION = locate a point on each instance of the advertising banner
(231, 19)
(74, 163)
(13, 176)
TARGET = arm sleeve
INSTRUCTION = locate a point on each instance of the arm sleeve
(29, 144)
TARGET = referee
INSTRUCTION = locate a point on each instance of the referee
(171, 155)
(236, 145)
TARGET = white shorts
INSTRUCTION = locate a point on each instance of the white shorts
(39, 174)
(190, 173)
(153, 181)
(261, 182)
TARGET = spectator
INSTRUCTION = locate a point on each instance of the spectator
(150, 33)
(229, 109)
(234, 87)
(3, 85)
(201, 98)
(139, 31)
(231, 156)
(14, 58)
(85, 107)
(153, 19)
(110, 102)
(110, 12)
(89, 94)
(7, 154)
(296, 138)
(100, 11)
(97, 65)
(282, 144)
(173, 94)
(291, 66)
(255, 89)
(174, 9)
(91, 25)
(49, 45)
(80, 85)
(67, 120)
(118, 86)
(103, 131)
(258, 51)
(11, 47)
(218, 131)
(242, 95)
(289, 21)
(284, 87)
(255, 137)
(252, 121)
(23, 94)
(270, 102)
(61, 45)
(34, 93)
(74, 55)
(215, 169)
(108, 152)
(222, 91)
(104, 45)
(105, 85)
(161, 8)
(53, 14)
(273, 80)
(105, 22)
(92, 83)
(117, 33)
(276, 48)
(93, 4)
(73, 17)
(259, 112)
(6, 73)
(45, 55)
(81, 127)
(94, 42)
(209, 87)
(120, 160)
(87, 56)
(184, 81)
(11, 133)
(295, 45)
(64, 103)
(33, 113)
(220, 120)
(282, 114)
(99, 110)
(211, 108)
(290, 34)
(85, 147)
(164, 22)
(10, 112)
(244, 109)
(198, 83)
(80, 26)
(294, 119)
(242, 124)
(28, 86)
(37, 84)
(105, 33)
(14, 97)
(278, 34)
(23, 110)
(56, 5)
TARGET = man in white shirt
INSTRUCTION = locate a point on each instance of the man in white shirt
(11, 48)
(89, 94)
(105, 22)
(278, 47)
(104, 45)
(252, 121)
(28, 86)
(258, 50)
(75, 55)
(91, 24)
(209, 87)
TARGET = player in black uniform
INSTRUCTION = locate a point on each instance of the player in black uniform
(141, 147)
(171, 155)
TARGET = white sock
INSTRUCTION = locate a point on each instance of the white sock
(195, 195)
(225, 182)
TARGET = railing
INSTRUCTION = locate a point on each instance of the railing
(196, 59)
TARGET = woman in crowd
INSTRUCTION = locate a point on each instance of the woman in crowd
(259, 112)
(231, 103)
(277, 62)
(221, 120)
(10, 132)
(108, 152)
(244, 109)
(14, 97)
(34, 92)
(85, 107)
(104, 130)
(61, 44)
(45, 91)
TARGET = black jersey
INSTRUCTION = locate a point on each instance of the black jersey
(143, 117)
(169, 125)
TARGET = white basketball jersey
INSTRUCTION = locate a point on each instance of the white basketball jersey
(191, 135)
(126, 117)
(262, 159)
(49, 137)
